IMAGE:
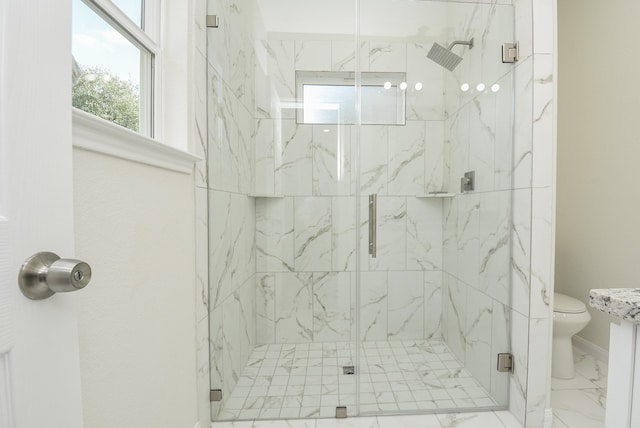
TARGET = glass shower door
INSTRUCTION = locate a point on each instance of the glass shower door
(434, 301)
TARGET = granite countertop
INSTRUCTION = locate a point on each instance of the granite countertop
(623, 303)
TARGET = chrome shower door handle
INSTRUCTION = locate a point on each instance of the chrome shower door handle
(373, 207)
(45, 274)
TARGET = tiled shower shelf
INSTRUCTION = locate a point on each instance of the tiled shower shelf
(436, 195)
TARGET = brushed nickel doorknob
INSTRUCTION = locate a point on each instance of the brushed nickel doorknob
(44, 274)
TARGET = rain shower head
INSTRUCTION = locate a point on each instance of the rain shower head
(444, 57)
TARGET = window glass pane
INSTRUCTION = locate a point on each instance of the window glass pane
(330, 97)
(133, 9)
(111, 74)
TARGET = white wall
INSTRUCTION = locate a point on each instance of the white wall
(135, 225)
(597, 243)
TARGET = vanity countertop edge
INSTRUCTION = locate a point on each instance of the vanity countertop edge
(623, 303)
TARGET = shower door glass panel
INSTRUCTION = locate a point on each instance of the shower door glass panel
(434, 302)
(282, 213)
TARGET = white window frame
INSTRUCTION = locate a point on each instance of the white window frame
(96, 134)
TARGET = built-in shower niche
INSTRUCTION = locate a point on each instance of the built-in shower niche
(432, 307)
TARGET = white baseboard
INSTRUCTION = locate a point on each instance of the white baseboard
(591, 349)
(548, 418)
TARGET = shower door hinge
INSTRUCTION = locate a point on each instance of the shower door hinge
(505, 362)
(215, 395)
(213, 21)
(509, 52)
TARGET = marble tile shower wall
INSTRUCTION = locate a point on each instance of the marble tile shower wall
(477, 225)
(306, 240)
(231, 209)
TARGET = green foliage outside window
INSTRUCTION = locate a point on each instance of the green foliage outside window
(99, 92)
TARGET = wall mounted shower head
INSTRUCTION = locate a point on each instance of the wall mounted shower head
(444, 57)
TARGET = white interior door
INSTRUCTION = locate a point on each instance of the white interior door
(39, 367)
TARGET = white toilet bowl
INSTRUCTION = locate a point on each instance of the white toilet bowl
(569, 317)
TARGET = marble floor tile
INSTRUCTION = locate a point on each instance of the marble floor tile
(580, 402)
(591, 368)
(582, 408)
(578, 382)
(307, 380)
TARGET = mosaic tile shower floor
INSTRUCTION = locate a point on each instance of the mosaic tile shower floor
(307, 380)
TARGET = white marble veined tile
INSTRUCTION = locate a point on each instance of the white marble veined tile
(202, 256)
(374, 140)
(230, 130)
(580, 408)
(478, 329)
(293, 151)
(578, 382)
(265, 308)
(373, 306)
(470, 420)
(494, 236)
(242, 254)
(521, 250)
(434, 157)
(424, 234)
(468, 240)
(313, 55)
(500, 343)
(428, 102)
(543, 119)
(294, 309)
(519, 333)
(274, 234)
(489, 25)
(406, 305)
(332, 160)
(385, 56)
(541, 240)
(454, 313)
(331, 306)
(522, 10)
(343, 55)
(312, 233)
(220, 240)
(523, 126)
(360, 422)
(504, 117)
(456, 149)
(543, 13)
(343, 233)
(296, 423)
(421, 421)
(281, 70)
(231, 348)
(391, 234)
(433, 304)
(591, 368)
(406, 159)
(450, 234)
(247, 303)
(216, 344)
(264, 157)
(482, 120)
(538, 386)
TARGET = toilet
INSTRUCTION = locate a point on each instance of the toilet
(569, 317)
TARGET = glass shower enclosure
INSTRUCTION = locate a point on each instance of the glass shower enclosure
(359, 167)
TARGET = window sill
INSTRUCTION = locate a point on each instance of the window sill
(98, 135)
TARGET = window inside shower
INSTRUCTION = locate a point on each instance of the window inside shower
(304, 321)
(330, 98)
